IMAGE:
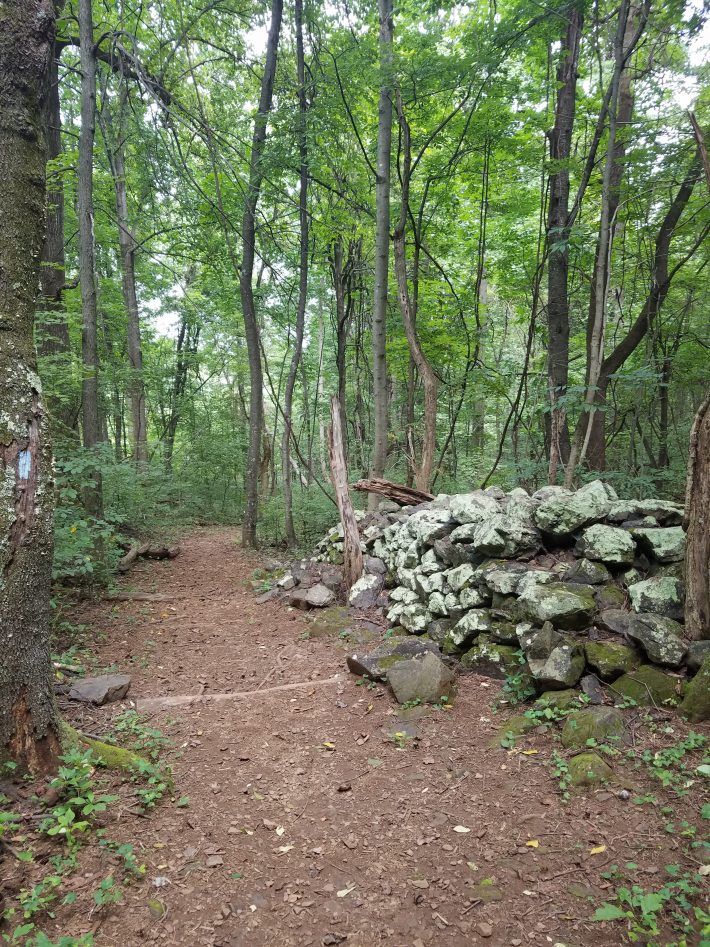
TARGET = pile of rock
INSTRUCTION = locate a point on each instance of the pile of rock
(551, 586)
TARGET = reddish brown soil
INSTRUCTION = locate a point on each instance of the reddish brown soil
(307, 825)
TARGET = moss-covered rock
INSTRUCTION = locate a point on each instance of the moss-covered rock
(588, 769)
(609, 596)
(491, 659)
(607, 544)
(660, 595)
(592, 723)
(113, 757)
(660, 638)
(696, 704)
(559, 700)
(611, 658)
(648, 686)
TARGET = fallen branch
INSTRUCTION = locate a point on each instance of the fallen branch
(405, 496)
(147, 551)
(156, 703)
(138, 597)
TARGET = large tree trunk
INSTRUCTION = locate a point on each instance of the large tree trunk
(302, 282)
(127, 247)
(558, 240)
(28, 719)
(382, 243)
(91, 421)
(251, 325)
(697, 524)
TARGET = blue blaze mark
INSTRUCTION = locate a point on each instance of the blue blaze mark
(24, 464)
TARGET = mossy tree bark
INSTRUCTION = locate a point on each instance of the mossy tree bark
(28, 720)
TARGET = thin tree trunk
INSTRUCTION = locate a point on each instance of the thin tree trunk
(558, 234)
(322, 446)
(127, 247)
(423, 471)
(29, 728)
(251, 325)
(697, 524)
(382, 243)
(91, 421)
(352, 553)
(302, 282)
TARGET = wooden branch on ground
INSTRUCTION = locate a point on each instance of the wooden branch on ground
(405, 496)
(352, 553)
(147, 551)
(138, 597)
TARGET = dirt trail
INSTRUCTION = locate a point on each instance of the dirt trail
(306, 824)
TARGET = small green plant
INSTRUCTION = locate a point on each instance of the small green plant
(78, 802)
(411, 704)
(153, 782)
(670, 765)
(108, 892)
(560, 770)
(518, 686)
(134, 731)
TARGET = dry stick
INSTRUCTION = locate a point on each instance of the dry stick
(146, 703)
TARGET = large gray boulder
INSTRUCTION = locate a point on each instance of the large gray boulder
(586, 572)
(377, 662)
(660, 638)
(566, 605)
(660, 594)
(474, 507)
(425, 678)
(562, 515)
(664, 511)
(562, 669)
(607, 544)
(100, 690)
(665, 545)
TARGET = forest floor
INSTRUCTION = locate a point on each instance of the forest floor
(298, 818)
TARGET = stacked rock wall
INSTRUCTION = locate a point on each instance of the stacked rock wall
(574, 581)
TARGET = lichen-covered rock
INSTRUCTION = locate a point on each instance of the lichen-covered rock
(506, 536)
(588, 769)
(424, 677)
(377, 662)
(562, 669)
(538, 643)
(567, 699)
(615, 620)
(561, 515)
(661, 595)
(415, 618)
(664, 545)
(439, 628)
(592, 723)
(607, 544)
(664, 511)
(696, 703)
(533, 577)
(460, 577)
(365, 591)
(491, 659)
(502, 581)
(660, 638)
(475, 621)
(610, 659)
(504, 631)
(565, 605)
(429, 564)
(587, 572)
(473, 597)
(648, 686)
(437, 604)
(609, 596)
(473, 507)
(449, 553)
(426, 585)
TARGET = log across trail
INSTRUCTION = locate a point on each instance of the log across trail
(313, 810)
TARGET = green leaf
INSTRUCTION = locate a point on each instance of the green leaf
(609, 912)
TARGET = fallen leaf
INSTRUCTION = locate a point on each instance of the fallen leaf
(285, 848)
(461, 828)
(344, 892)
(529, 752)
(328, 745)
(597, 850)
(280, 830)
(532, 843)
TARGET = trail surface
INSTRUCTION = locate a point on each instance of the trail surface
(308, 822)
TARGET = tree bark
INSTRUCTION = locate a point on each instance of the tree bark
(382, 241)
(352, 553)
(302, 281)
(251, 326)
(91, 421)
(558, 233)
(697, 524)
(29, 730)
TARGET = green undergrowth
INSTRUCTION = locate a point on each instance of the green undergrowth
(72, 816)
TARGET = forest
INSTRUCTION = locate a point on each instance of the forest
(253, 252)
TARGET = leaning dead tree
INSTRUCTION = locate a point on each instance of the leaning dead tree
(352, 553)
(405, 496)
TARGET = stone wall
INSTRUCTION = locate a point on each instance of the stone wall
(551, 586)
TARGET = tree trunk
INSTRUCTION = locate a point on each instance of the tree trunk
(91, 421)
(423, 471)
(127, 248)
(382, 242)
(352, 553)
(29, 730)
(251, 326)
(302, 282)
(558, 234)
(697, 524)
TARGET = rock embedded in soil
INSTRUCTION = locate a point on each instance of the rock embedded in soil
(562, 669)
(317, 596)
(491, 659)
(660, 638)
(661, 595)
(104, 689)
(425, 678)
(588, 769)
(648, 686)
(377, 662)
(592, 723)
